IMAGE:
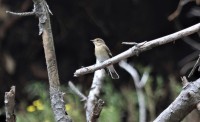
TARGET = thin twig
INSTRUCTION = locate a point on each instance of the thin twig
(129, 43)
(76, 90)
(21, 14)
(195, 66)
(9, 21)
(135, 50)
(134, 43)
(10, 105)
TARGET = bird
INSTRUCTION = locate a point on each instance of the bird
(102, 53)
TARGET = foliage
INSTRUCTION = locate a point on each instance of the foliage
(114, 104)
(40, 110)
(121, 104)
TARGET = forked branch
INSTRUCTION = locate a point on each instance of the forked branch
(135, 50)
(41, 10)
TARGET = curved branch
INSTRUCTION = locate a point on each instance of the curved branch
(187, 100)
(135, 50)
(139, 84)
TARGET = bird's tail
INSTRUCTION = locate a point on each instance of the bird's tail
(112, 72)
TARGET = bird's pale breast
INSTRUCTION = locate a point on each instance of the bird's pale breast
(101, 53)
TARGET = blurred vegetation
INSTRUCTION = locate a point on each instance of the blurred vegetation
(74, 23)
(121, 104)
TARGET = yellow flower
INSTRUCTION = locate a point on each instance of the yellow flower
(38, 104)
(31, 108)
(40, 107)
(68, 107)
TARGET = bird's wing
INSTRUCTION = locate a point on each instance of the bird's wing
(108, 51)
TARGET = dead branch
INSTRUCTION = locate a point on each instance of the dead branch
(187, 100)
(9, 21)
(179, 9)
(97, 110)
(139, 84)
(41, 10)
(135, 50)
(195, 66)
(77, 91)
(10, 105)
(93, 103)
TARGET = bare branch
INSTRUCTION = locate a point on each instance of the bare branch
(21, 14)
(184, 81)
(129, 43)
(9, 21)
(195, 66)
(10, 105)
(134, 43)
(144, 79)
(42, 11)
(93, 104)
(97, 110)
(179, 9)
(93, 112)
(136, 50)
(132, 71)
(56, 96)
(139, 86)
(183, 104)
(75, 90)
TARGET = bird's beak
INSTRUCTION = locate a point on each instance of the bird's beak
(92, 40)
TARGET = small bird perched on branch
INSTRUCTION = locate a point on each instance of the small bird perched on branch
(103, 53)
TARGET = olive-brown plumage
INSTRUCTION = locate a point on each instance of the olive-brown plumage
(103, 53)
